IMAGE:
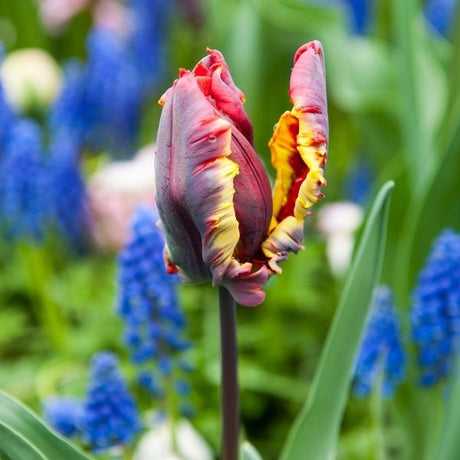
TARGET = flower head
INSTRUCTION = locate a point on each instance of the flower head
(114, 193)
(435, 315)
(213, 193)
(31, 78)
(22, 200)
(67, 188)
(381, 349)
(155, 324)
(110, 417)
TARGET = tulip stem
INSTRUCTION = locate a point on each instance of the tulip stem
(229, 383)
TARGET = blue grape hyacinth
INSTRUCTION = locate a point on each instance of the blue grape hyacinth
(110, 417)
(7, 120)
(147, 41)
(435, 314)
(71, 112)
(360, 14)
(23, 207)
(113, 93)
(63, 414)
(67, 193)
(381, 349)
(440, 14)
(148, 303)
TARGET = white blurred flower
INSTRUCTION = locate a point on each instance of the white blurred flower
(158, 443)
(338, 222)
(115, 192)
(30, 77)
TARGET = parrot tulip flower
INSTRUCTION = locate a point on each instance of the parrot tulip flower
(221, 221)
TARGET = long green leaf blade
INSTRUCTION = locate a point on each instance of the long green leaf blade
(20, 419)
(16, 447)
(314, 434)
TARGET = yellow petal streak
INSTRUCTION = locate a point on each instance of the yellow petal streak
(222, 234)
(283, 146)
(299, 150)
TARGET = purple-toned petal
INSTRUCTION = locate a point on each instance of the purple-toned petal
(194, 178)
(245, 284)
(227, 96)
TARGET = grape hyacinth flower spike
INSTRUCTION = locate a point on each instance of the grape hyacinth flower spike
(149, 305)
(382, 349)
(220, 220)
(109, 417)
(63, 414)
(213, 194)
(435, 314)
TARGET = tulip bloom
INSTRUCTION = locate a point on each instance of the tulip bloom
(219, 216)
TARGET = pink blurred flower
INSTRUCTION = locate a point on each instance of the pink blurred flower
(115, 191)
(112, 15)
(56, 13)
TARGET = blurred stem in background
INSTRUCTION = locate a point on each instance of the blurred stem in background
(36, 265)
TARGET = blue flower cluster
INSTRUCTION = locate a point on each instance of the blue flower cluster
(360, 14)
(66, 188)
(149, 306)
(99, 108)
(39, 187)
(22, 203)
(381, 349)
(101, 102)
(440, 15)
(435, 314)
(63, 414)
(109, 417)
(358, 183)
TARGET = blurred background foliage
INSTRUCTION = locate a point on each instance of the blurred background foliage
(393, 74)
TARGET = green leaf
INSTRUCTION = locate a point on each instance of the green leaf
(448, 441)
(249, 452)
(25, 428)
(14, 446)
(314, 433)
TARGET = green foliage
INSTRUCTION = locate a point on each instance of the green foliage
(23, 435)
(394, 101)
(315, 432)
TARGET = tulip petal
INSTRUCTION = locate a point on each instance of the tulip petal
(299, 143)
(286, 237)
(252, 200)
(194, 179)
(299, 152)
(227, 96)
(244, 284)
